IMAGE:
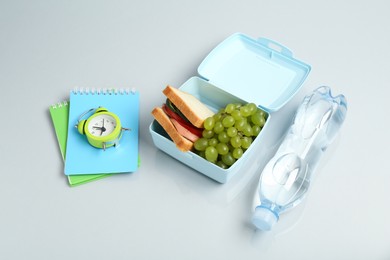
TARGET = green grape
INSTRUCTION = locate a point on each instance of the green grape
(258, 118)
(236, 114)
(222, 148)
(246, 142)
(201, 144)
(262, 121)
(217, 116)
(211, 154)
(235, 141)
(232, 131)
(255, 118)
(237, 153)
(238, 105)
(256, 130)
(222, 165)
(218, 127)
(213, 142)
(245, 111)
(228, 121)
(228, 159)
(230, 108)
(247, 130)
(209, 123)
(262, 113)
(239, 125)
(207, 133)
(252, 108)
(223, 137)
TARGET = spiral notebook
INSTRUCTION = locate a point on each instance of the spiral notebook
(59, 114)
(81, 157)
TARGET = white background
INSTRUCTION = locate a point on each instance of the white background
(166, 210)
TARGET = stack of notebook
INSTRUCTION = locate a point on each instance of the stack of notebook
(83, 162)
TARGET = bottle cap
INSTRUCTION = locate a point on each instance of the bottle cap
(264, 218)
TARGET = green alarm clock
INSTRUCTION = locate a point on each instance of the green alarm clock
(103, 129)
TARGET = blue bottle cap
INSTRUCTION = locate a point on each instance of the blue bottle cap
(264, 218)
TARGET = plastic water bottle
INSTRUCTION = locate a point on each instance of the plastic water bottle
(286, 177)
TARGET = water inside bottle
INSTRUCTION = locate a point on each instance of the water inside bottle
(286, 178)
(286, 181)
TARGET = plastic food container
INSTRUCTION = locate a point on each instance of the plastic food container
(240, 69)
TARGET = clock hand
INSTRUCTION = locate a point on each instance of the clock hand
(103, 128)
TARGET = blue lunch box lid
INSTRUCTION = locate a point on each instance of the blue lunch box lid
(261, 71)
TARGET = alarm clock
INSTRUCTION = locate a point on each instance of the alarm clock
(103, 129)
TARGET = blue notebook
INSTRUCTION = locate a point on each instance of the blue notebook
(83, 158)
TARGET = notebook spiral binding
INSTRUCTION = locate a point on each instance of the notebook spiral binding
(60, 104)
(103, 91)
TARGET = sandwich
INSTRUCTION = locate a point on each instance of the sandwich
(182, 117)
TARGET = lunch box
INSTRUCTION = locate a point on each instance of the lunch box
(240, 69)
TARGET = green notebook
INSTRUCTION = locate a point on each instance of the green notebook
(59, 114)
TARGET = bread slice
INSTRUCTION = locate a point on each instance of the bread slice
(181, 142)
(193, 109)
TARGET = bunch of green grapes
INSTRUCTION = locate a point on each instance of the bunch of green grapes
(229, 133)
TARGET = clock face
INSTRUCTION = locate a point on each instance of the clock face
(102, 125)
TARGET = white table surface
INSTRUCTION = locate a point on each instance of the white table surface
(166, 210)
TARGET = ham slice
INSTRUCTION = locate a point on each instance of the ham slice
(184, 131)
(194, 130)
